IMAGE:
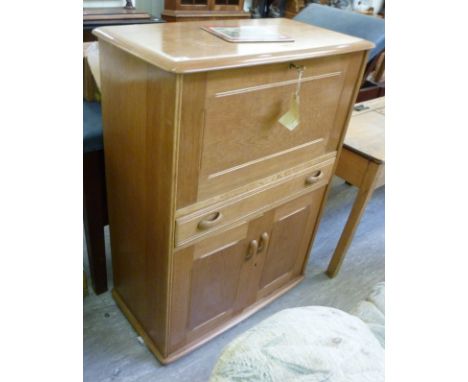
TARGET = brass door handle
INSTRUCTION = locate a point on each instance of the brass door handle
(264, 239)
(311, 179)
(252, 250)
(210, 221)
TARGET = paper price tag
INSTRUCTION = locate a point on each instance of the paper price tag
(290, 119)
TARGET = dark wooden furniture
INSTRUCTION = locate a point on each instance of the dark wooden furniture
(94, 195)
(94, 189)
(189, 10)
(268, 8)
(373, 84)
(98, 17)
(293, 7)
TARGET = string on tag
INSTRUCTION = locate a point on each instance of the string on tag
(300, 70)
(299, 80)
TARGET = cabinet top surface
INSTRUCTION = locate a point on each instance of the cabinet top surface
(183, 47)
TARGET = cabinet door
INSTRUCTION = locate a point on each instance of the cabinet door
(242, 137)
(216, 278)
(288, 241)
(206, 281)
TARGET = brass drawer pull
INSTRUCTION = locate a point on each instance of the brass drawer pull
(264, 239)
(252, 250)
(210, 221)
(312, 179)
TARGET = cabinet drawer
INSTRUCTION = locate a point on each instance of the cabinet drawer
(242, 138)
(208, 220)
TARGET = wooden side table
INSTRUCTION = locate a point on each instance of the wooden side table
(111, 16)
(362, 163)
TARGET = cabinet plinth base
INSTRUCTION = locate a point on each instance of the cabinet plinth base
(201, 341)
(137, 326)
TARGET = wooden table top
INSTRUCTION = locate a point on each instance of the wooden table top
(185, 47)
(366, 131)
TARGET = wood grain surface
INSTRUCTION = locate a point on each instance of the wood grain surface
(213, 205)
(185, 47)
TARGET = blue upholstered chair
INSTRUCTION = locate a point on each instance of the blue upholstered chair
(94, 194)
(354, 24)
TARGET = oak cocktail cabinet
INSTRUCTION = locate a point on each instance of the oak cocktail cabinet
(213, 204)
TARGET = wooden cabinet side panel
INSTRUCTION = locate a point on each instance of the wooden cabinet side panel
(191, 135)
(138, 103)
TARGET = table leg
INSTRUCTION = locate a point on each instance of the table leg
(85, 285)
(366, 190)
(94, 216)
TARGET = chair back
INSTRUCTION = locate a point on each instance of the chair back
(354, 24)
